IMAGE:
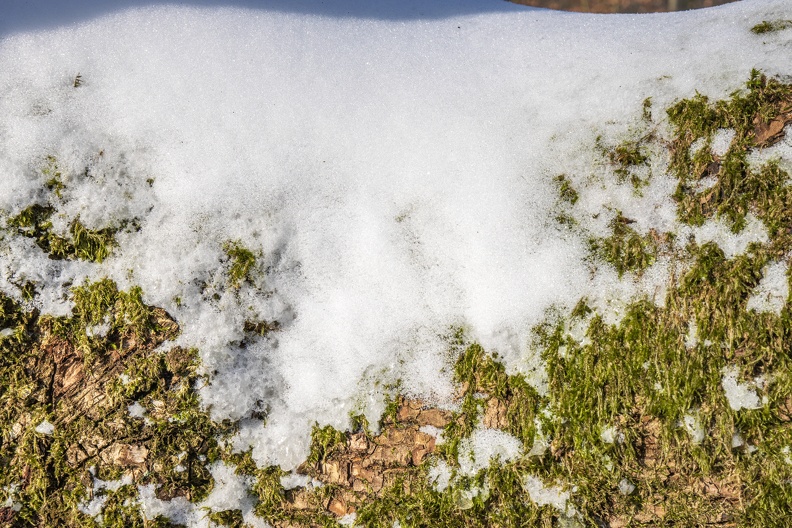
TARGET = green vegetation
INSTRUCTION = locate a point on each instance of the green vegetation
(82, 382)
(628, 156)
(771, 26)
(80, 242)
(241, 261)
(565, 190)
(754, 114)
(625, 249)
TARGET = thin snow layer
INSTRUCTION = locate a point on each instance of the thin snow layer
(393, 174)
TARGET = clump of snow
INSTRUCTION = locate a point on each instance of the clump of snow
(348, 519)
(543, 495)
(610, 434)
(737, 440)
(719, 232)
(136, 410)
(99, 330)
(178, 510)
(229, 490)
(739, 395)
(691, 338)
(694, 427)
(93, 506)
(626, 487)
(45, 428)
(773, 290)
(12, 491)
(483, 445)
(436, 432)
(439, 475)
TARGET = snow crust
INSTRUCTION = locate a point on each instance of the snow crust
(392, 171)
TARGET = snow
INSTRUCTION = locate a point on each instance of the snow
(136, 410)
(722, 140)
(773, 290)
(478, 451)
(229, 490)
(626, 487)
(544, 495)
(391, 163)
(93, 506)
(439, 474)
(610, 434)
(45, 428)
(739, 395)
(692, 423)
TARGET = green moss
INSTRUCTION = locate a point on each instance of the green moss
(229, 518)
(82, 243)
(324, 440)
(771, 26)
(241, 261)
(48, 476)
(625, 249)
(625, 158)
(565, 189)
(647, 109)
(738, 186)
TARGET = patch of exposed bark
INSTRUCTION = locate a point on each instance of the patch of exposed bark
(361, 467)
(92, 428)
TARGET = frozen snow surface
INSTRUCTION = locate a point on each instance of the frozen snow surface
(390, 164)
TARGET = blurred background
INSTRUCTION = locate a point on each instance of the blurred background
(623, 6)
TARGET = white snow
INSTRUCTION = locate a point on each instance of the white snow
(136, 410)
(478, 450)
(93, 506)
(439, 475)
(721, 141)
(390, 162)
(739, 395)
(543, 495)
(773, 290)
(229, 490)
(626, 487)
(719, 232)
(45, 428)
(692, 423)
(610, 435)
